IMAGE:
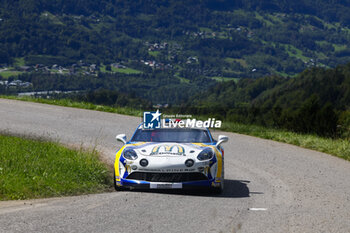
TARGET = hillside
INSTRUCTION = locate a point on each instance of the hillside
(274, 63)
(230, 39)
(315, 101)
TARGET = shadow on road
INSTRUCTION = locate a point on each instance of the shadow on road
(233, 189)
(236, 189)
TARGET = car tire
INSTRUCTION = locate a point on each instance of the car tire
(220, 189)
(116, 187)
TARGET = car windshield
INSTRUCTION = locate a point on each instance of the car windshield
(172, 135)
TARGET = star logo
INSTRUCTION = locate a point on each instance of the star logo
(155, 115)
(151, 120)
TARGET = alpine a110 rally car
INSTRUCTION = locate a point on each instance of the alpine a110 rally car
(170, 158)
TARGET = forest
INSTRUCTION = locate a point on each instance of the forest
(315, 101)
(231, 39)
(273, 63)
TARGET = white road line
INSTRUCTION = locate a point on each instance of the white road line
(258, 209)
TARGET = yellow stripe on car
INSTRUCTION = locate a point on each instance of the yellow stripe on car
(116, 163)
(200, 144)
(137, 144)
(218, 156)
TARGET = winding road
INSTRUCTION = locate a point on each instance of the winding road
(269, 187)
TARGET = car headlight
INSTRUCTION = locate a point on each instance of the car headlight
(130, 154)
(206, 154)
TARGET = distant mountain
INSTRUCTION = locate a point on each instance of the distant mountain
(223, 38)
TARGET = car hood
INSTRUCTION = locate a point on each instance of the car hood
(169, 149)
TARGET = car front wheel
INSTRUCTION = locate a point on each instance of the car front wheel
(220, 189)
(116, 187)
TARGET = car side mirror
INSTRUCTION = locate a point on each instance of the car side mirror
(221, 139)
(121, 138)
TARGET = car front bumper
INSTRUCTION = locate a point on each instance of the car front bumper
(140, 184)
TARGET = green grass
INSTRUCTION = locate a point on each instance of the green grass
(182, 79)
(322, 42)
(154, 53)
(225, 79)
(128, 71)
(54, 19)
(339, 47)
(274, 18)
(36, 169)
(205, 29)
(264, 20)
(103, 68)
(19, 61)
(283, 74)
(9, 73)
(337, 147)
(242, 62)
(298, 53)
(119, 70)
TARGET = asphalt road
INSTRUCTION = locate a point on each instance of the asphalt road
(269, 187)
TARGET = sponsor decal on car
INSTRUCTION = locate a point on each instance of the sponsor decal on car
(168, 149)
(165, 185)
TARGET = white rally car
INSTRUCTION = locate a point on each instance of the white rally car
(170, 158)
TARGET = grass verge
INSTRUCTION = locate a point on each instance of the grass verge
(36, 169)
(337, 147)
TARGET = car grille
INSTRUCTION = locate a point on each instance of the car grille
(167, 177)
